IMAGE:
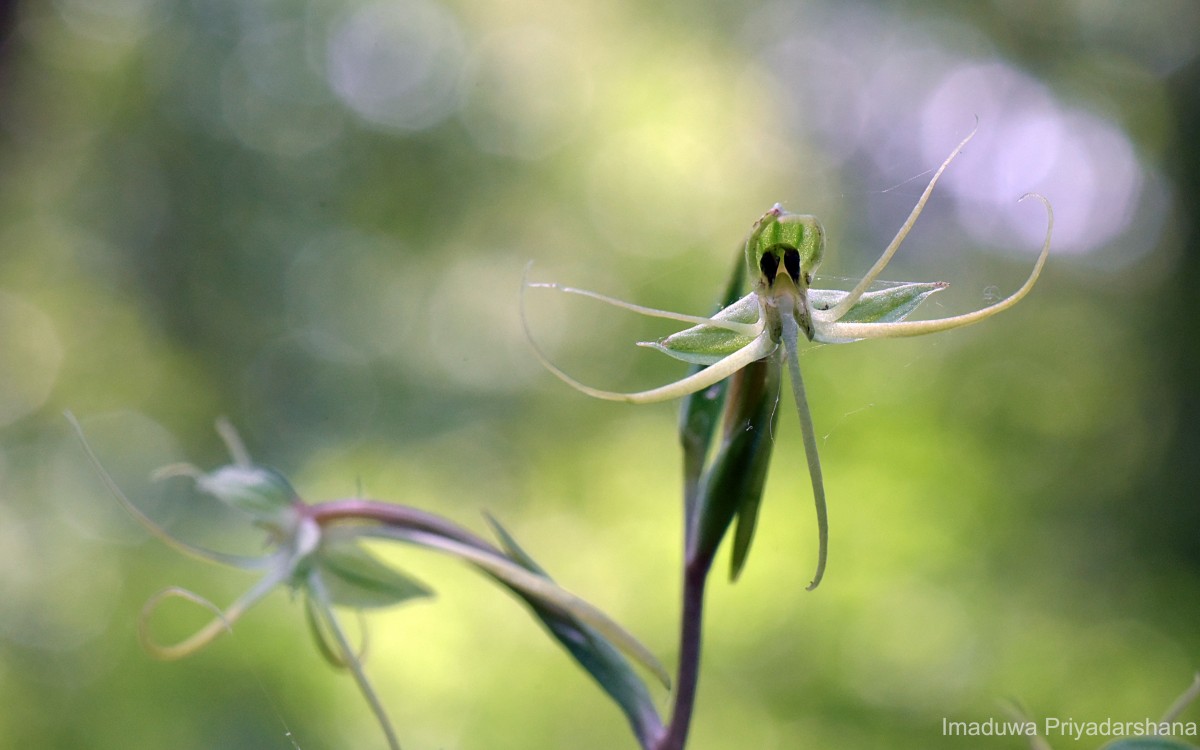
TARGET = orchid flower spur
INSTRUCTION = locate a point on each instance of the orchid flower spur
(783, 252)
(315, 550)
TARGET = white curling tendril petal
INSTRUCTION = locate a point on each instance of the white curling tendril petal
(828, 332)
(151, 526)
(222, 622)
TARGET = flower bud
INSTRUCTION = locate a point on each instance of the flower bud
(262, 493)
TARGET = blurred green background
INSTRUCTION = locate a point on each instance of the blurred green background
(314, 217)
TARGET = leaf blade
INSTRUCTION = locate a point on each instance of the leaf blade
(604, 662)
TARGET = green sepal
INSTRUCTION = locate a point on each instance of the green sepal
(262, 493)
(778, 228)
(700, 412)
(734, 483)
(607, 666)
(890, 305)
(706, 344)
(357, 579)
(762, 419)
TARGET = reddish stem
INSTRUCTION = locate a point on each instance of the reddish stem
(358, 510)
(695, 576)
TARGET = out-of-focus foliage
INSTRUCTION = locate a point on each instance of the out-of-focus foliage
(314, 217)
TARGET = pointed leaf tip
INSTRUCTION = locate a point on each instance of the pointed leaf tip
(598, 656)
(355, 578)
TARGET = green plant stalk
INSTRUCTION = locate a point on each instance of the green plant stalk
(716, 492)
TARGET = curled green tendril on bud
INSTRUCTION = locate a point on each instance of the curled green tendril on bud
(783, 252)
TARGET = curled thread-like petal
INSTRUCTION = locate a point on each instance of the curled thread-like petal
(864, 284)
(151, 526)
(839, 330)
(717, 321)
(326, 642)
(757, 349)
(791, 335)
(222, 621)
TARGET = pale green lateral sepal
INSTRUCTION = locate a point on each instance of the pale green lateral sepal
(882, 306)
(708, 343)
(355, 578)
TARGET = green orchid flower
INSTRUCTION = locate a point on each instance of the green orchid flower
(315, 550)
(783, 252)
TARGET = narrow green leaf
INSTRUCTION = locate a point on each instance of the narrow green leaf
(734, 482)
(325, 641)
(521, 579)
(759, 418)
(515, 552)
(601, 659)
(700, 413)
(354, 578)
